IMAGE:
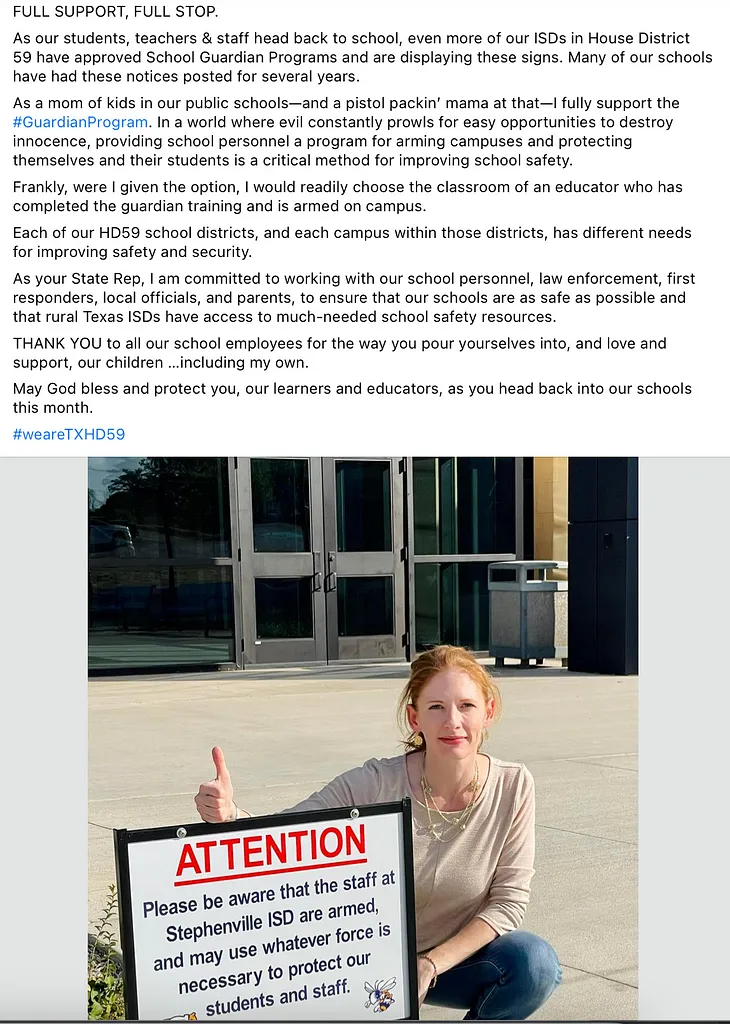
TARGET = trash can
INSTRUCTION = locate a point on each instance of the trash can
(528, 617)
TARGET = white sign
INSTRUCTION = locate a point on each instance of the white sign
(288, 917)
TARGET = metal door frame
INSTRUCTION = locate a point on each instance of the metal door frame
(236, 552)
(283, 564)
(365, 563)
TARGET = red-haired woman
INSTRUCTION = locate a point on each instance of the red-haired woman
(473, 840)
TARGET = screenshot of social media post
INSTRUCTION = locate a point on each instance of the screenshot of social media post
(310, 731)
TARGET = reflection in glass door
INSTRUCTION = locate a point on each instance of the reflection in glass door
(322, 578)
(161, 564)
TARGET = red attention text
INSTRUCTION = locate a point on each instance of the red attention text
(248, 856)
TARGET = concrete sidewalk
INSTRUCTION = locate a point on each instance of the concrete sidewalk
(286, 732)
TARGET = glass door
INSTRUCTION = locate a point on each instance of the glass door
(280, 507)
(364, 558)
(322, 560)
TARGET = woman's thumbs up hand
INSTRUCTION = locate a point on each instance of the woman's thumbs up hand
(214, 800)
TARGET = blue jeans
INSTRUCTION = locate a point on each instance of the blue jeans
(506, 980)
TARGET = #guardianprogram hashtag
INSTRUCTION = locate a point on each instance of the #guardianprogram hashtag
(66, 121)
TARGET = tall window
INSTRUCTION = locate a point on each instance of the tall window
(160, 563)
(464, 516)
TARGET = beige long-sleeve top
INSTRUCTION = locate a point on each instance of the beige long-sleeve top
(485, 872)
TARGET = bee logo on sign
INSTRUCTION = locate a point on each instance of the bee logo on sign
(287, 917)
(380, 995)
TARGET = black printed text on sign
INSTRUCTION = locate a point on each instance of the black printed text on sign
(288, 917)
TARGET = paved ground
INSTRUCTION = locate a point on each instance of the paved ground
(286, 732)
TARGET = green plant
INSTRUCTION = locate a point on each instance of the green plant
(106, 986)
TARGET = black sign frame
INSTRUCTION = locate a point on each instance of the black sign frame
(123, 838)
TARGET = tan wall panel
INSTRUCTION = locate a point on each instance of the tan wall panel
(551, 510)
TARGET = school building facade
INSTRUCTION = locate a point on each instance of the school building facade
(234, 562)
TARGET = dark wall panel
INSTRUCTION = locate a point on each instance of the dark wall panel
(603, 565)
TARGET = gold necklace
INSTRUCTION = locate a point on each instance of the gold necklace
(472, 787)
(456, 825)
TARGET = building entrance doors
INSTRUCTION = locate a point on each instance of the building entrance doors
(322, 574)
